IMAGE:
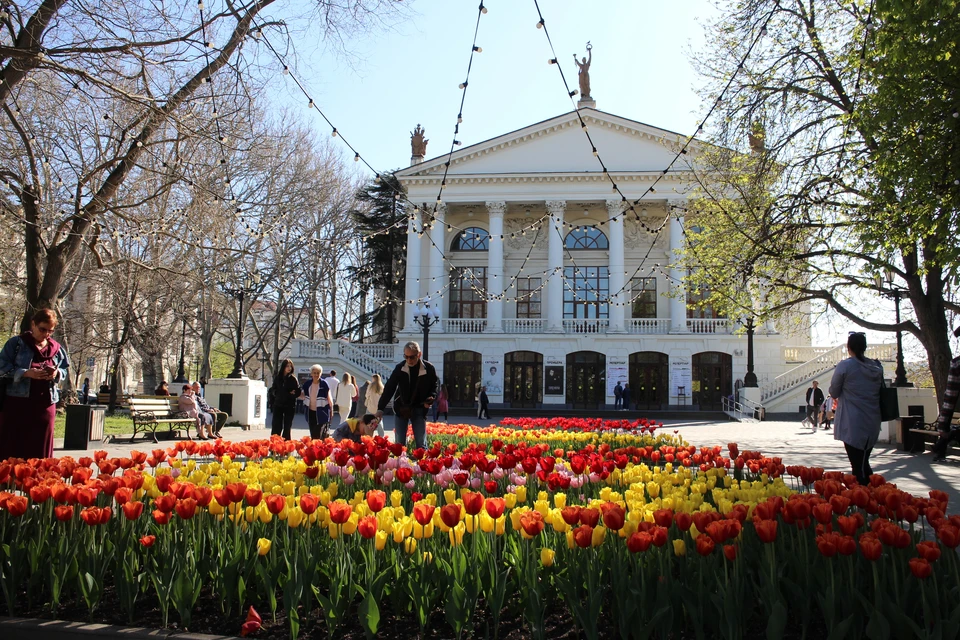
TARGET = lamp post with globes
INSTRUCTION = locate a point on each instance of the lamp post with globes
(426, 316)
(181, 371)
(891, 291)
(250, 285)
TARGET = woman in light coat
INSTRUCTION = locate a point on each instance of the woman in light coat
(372, 400)
(343, 398)
(856, 386)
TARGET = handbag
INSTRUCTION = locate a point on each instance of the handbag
(7, 379)
(889, 404)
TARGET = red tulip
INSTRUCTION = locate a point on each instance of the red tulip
(663, 517)
(132, 510)
(766, 529)
(827, 545)
(683, 520)
(532, 522)
(423, 513)
(235, 491)
(166, 502)
(404, 475)
(730, 552)
(147, 541)
(870, 547)
(472, 502)
(582, 535)
(639, 541)
(571, 515)
(823, 512)
(376, 500)
(367, 527)
(92, 516)
(164, 480)
(614, 516)
(928, 550)
(249, 627)
(309, 503)
(186, 508)
(64, 513)
(660, 536)
(450, 515)
(920, 568)
(276, 503)
(253, 496)
(705, 544)
(495, 507)
(339, 511)
(949, 535)
(87, 496)
(40, 493)
(490, 486)
(161, 517)
(589, 516)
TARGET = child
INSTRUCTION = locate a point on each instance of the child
(355, 428)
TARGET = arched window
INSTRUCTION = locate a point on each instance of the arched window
(586, 238)
(472, 239)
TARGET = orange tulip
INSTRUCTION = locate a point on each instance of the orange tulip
(532, 522)
(495, 507)
(235, 491)
(132, 510)
(423, 513)
(166, 502)
(186, 508)
(367, 527)
(147, 541)
(339, 511)
(64, 513)
(472, 502)
(276, 503)
(376, 500)
(309, 503)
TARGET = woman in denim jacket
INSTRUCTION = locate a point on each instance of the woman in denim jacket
(34, 365)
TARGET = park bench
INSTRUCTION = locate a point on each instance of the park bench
(150, 412)
(922, 436)
(123, 400)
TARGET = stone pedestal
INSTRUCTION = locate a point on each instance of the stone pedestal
(244, 400)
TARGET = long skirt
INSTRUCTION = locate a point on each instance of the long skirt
(26, 429)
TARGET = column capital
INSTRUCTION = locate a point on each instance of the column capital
(496, 207)
(616, 207)
(556, 207)
(676, 202)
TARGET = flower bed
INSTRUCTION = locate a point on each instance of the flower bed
(582, 424)
(625, 535)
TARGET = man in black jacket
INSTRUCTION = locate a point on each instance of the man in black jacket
(413, 387)
(814, 402)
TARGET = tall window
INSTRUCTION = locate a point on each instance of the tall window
(695, 308)
(586, 238)
(528, 297)
(644, 296)
(468, 286)
(472, 239)
(585, 292)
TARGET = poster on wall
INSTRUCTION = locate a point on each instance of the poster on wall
(616, 372)
(681, 375)
(492, 375)
(553, 376)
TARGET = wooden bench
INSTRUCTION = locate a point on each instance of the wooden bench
(123, 400)
(921, 439)
(149, 412)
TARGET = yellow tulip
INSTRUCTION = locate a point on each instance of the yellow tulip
(522, 493)
(501, 525)
(456, 534)
(571, 544)
(599, 535)
(450, 496)
(396, 498)
(410, 545)
(263, 546)
(543, 507)
(547, 556)
(294, 517)
(560, 500)
(333, 530)
(350, 526)
(487, 524)
(381, 540)
(397, 529)
(543, 495)
(510, 500)
(427, 557)
(215, 508)
(679, 547)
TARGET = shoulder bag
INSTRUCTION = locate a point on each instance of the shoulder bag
(889, 404)
(7, 379)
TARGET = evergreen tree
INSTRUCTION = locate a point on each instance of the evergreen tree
(381, 217)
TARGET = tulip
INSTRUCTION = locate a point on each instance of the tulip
(253, 496)
(64, 513)
(949, 535)
(683, 520)
(161, 517)
(494, 507)
(920, 568)
(410, 546)
(472, 502)
(423, 513)
(827, 545)
(663, 517)
(871, 548)
(186, 508)
(339, 511)
(590, 517)
(147, 541)
(571, 515)
(583, 536)
(275, 503)
(532, 523)
(705, 544)
(639, 541)
(309, 503)
(263, 546)
(679, 547)
(376, 500)
(928, 550)
(730, 552)
(766, 530)
(381, 540)
(132, 510)
(367, 527)
(450, 515)
(456, 533)
(614, 516)
(547, 556)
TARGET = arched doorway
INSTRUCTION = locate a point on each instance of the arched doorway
(712, 379)
(648, 380)
(523, 379)
(461, 374)
(586, 379)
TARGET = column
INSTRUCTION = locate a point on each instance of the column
(438, 271)
(678, 299)
(554, 275)
(412, 291)
(617, 267)
(495, 210)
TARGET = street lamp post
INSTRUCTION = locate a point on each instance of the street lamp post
(426, 316)
(181, 372)
(901, 375)
(240, 293)
(263, 364)
(750, 380)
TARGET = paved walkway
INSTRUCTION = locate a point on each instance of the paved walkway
(786, 440)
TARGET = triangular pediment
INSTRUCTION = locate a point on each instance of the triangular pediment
(559, 145)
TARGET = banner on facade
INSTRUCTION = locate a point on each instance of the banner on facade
(553, 376)
(617, 371)
(492, 374)
(681, 376)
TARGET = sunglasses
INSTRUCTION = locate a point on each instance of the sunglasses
(413, 357)
(856, 333)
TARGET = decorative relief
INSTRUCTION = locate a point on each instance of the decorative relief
(515, 226)
(635, 236)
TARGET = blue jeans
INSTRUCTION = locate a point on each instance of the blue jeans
(419, 423)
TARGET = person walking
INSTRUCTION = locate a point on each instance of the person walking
(814, 400)
(372, 398)
(442, 405)
(484, 410)
(625, 397)
(412, 386)
(85, 391)
(618, 396)
(343, 398)
(856, 386)
(945, 427)
(285, 391)
(355, 400)
(316, 395)
(333, 383)
(34, 365)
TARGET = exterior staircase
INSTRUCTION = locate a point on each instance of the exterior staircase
(364, 359)
(823, 361)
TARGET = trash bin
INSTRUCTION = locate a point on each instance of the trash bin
(84, 424)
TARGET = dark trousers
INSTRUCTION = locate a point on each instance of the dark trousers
(943, 442)
(484, 411)
(282, 421)
(318, 431)
(859, 462)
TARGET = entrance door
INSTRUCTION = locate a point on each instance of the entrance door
(461, 374)
(523, 384)
(648, 380)
(713, 376)
(586, 379)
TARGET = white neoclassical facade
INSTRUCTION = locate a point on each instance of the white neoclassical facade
(549, 294)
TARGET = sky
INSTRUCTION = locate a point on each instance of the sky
(393, 79)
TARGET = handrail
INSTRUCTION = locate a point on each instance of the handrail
(742, 409)
(823, 362)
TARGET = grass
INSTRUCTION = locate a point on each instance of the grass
(113, 424)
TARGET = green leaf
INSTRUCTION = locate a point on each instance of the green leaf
(777, 622)
(369, 614)
(878, 628)
(842, 630)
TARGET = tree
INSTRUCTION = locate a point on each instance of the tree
(815, 214)
(381, 217)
